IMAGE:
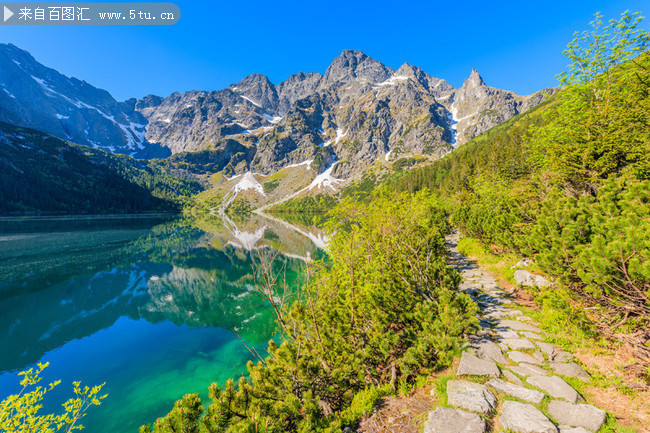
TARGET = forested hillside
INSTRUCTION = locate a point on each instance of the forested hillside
(41, 173)
(568, 183)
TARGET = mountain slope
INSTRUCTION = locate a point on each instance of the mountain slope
(35, 96)
(359, 111)
(39, 172)
(359, 115)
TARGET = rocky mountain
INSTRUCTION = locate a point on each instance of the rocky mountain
(478, 107)
(312, 132)
(38, 97)
(42, 173)
(358, 112)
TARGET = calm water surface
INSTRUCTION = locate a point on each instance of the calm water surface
(150, 305)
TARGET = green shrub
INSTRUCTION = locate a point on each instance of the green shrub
(382, 312)
(20, 412)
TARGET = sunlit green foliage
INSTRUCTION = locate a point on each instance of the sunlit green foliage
(318, 203)
(382, 311)
(20, 412)
(599, 246)
(600, 125)
(239, 205)
(567, 182)
(39, 172)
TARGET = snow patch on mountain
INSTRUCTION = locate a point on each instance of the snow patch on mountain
(453, 124)
(249, 182)
(339, 135)
(270, 118)
(325, 180)
(307, 163)
(8, 92)
(393, 80)
(251, 101)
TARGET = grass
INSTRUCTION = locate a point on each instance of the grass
(441, 387)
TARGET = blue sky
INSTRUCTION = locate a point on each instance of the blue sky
(515, 45)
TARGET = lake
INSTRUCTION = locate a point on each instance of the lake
(155, 306)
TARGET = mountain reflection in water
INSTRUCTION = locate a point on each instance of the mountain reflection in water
(151, 305)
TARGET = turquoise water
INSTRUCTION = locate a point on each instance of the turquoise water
(153, 306)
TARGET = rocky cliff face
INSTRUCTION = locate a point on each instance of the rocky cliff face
(477, 107)
(358, 112)
(38, 97)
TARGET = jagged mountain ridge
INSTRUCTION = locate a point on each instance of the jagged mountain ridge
(35, 96)
(359, 111)
(333, 125)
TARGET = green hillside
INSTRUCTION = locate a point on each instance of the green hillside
(41, 173)
(568, 183)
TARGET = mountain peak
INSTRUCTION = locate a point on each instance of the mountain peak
(474, 79)
(407, 69)
(355, 65)
(353, 54)
(253, 79)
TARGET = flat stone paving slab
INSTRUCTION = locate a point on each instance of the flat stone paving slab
(471, 396)
(524, 418)
(577, 415)
(569, 429)
(523, 357)
(447, 420)
(532, 335)
(525, 369)
(511, 377)
(547, 348)
(505, 333)
(555, 387)
(570, 369)
(473, 366)
(518, 343)
(518, 326)
(529, 395)
(561, 356)
(487, 350)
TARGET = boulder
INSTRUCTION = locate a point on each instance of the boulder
(525, 262)
(447, 420)
(528, 279)
(524, 418)
(471, 396)
(577, 415)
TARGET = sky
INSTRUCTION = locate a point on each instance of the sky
(515, 45)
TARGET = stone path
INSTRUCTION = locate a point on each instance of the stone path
(507, 375)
